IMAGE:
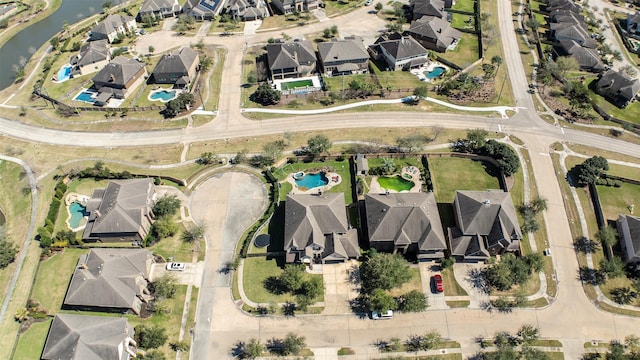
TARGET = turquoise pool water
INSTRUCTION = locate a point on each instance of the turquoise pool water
(310, 181)
(163, 95)
(86, 96)
(77, 212)
(64, 74)
(437, 71)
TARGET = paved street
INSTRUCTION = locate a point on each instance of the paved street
(228, 203)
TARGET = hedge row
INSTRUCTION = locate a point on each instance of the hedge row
(274, 195)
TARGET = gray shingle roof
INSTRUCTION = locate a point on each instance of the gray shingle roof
(290, 55)
(178, 63)
(588, 59)
(158, 5)
(92, 52)
(427, 8)
(403, 48)
(343, 50)
(110, 278)
(82, 337)
(119, 71)
(435, 28)
(629, 231)
(618, 86)
(111, 23)
(489, 214)
(405, 218)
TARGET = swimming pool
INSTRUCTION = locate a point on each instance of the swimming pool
(310, 181)
(76, 213)
(162, 95)
(86, 96)
(435, 72)
(397, 183)
(64, 73)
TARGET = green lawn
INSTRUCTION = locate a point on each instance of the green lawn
(256, 271)
(340, 167)
(464, 5)
(624, 171)
(465, 53)
(395, 79)
(414, 283)
(174, 247)
(615, 200)
(296, 84)
(53, 278)
(31, 342)
(462, 21)
(451, 286)
(631, 113)
(450, 174)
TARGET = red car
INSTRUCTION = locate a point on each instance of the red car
(438, 280)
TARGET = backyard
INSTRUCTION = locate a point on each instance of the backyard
(340, 167)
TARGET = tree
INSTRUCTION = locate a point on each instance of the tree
(529, 353)
(179, 104)
(379, 6)
(166, 206)
(194, 234)
(616, 351)
(476, 139)
(7, 253)
(628, 70)
(154, 355)
(607, 236)
(205, 63)
(420, 92)
(207, 158)
(162, 228)
(388, 166)
(273, 150)
(381, 301)
(505, 156)
(290, 345)
(292, 277)
(150, 337)
(411, 143)
(590, 170)
(413, 301)
(165, 286)
(614, 267)
(564, 64)
(149, 20)
(538, 204)
(251, 349)
(151, 49)
(265, 95)
(318, 144)
(623, 295)
(528, 334)
(533, 24)
(384, 271)
(496, 60)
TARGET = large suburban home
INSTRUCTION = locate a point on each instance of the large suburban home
(588, 59)
(316, 229)
(117, 78)
(406, 223)
(633, 24)
(629, 232)
(571, 31)
(84, 337)
(121, 212)
(565, 5)
(343, 57)
(92, 57)
(486, 225)
(434, 33)
(110, 280)
(202, 9)
(617, 88)
(246, 10)
(178, 68)
(291, 60)
(399, 52)
(295, 6)
(434, 8)
(159, 8)
(113, 26)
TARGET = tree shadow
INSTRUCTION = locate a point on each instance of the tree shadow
(354, 275)
(586, 246)
(273, 285)
(360, 307)
(591, 276)
(289, 309)
(478, 280)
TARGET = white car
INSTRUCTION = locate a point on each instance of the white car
(385, 316)
(368, 3)
(176, 266)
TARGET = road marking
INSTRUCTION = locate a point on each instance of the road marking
(562, 129)
(544, 154)
(499, 128)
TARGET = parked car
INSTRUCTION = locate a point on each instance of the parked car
(437, 279)
(386, 316)
(176, 266)
(368, 3)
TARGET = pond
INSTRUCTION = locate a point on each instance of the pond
(397, 183)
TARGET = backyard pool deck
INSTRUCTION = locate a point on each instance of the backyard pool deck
(333, 177)
(75, 198)
(408, 173)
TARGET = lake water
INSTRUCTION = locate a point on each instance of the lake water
(23, 44)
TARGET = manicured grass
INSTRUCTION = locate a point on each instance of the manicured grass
(256, 271)
(451, 286)
(631, 113)
(462, 21)
(546, 343)
(414, 284)
(465, 53)
(450, 174)
(31, 342)
(214, 76)
(340, 167)
(396, 182)
(289, 85)
(624, 171)
(53, 278)
(615, 310)
(395, 79)
(464, 5)
(458, 303)
(174, 247)
(335, 7)
(615, 200)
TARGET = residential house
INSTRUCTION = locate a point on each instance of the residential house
(565, 5)
(316, 229)
(117, 78)
(587, 58)
(617, 88)
(246, 10)
(434, 33)
(291, 60)
(399, 52)
(563, 16)
(295, 6)
(84, 337)
(121, 212)
(629, 232)
(343, 57)
(407, 223)
(362, 165)
(434, 8)
(92, 57)
(633, 24)
(202, 9)
(178, 68)
(110, 280)
(572, 31)
(159, 9)
(113, 26)
(486, 225)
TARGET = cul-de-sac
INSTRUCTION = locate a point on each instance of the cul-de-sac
(319, 179)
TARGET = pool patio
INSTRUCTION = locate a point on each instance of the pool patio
(420, 72)
(333, 177)
(75, 198)
(314, 80)
(408, 172)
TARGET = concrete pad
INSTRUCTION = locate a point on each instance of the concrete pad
(437, 301)
(462, 271)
